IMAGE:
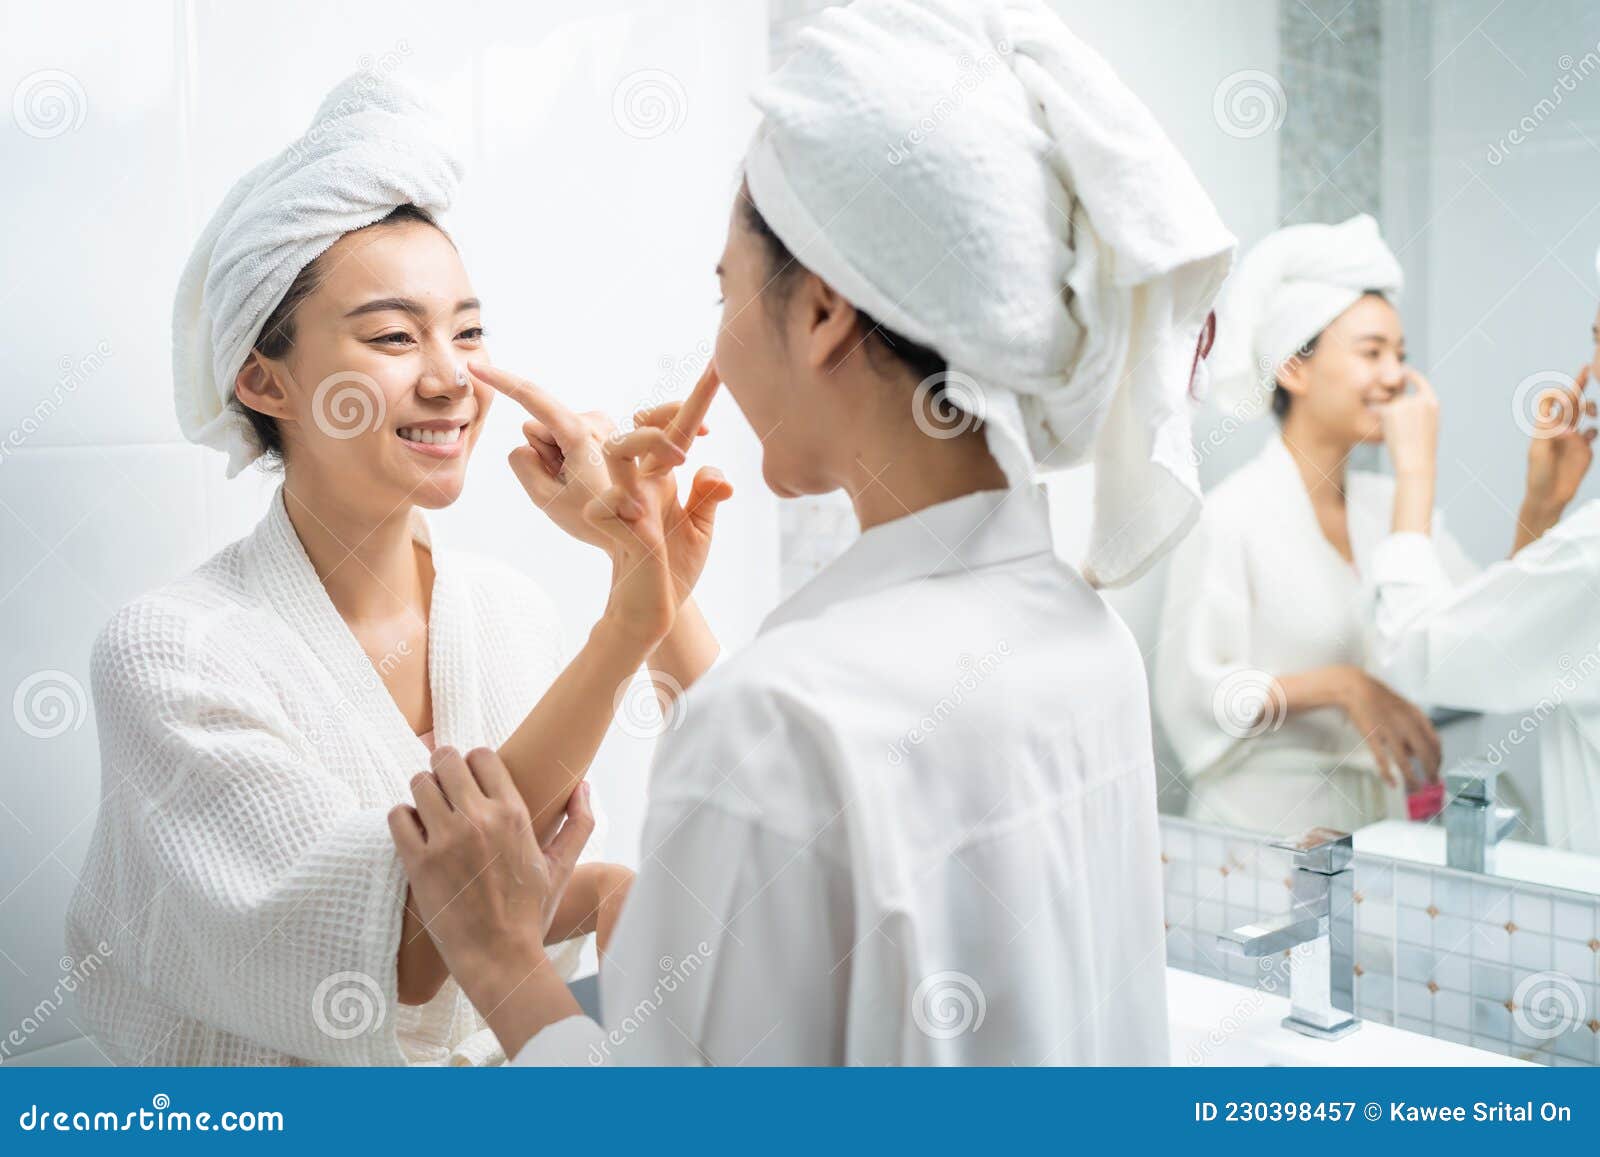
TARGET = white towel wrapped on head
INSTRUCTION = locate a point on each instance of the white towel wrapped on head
(1286, 291)
(373, 146)
(981, 182)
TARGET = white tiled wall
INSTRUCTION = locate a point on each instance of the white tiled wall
(593, 249)
(1496, 964)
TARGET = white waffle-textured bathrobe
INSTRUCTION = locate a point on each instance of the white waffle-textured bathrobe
(242, 870)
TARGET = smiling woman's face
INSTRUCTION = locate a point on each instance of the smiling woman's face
(373, 399)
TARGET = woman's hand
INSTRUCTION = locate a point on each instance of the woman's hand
(1398, 733)
(1558, 457)
(562, 467)
(1411, 435)
(479, 880)
(486, 891)
(1411, 427)
(688, 525)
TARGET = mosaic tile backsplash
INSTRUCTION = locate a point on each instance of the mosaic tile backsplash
(1497, 964)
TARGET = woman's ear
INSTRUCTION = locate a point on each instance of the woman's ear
(1293, 375)
(830, 322)
(257, 386)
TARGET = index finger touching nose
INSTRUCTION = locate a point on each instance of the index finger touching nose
(692, 414)
(537, 401)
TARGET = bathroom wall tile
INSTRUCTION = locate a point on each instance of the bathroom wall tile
(1491, 942)
(1413, 925)
(1452, 1010)
(1412, 999)
(1578, 961)
(1413, 887)
(1491, 1018)
(1450, 972)
(1573, 919)
(1452, 934)
(1532, 911)
(1491, 903)
(1530, 950)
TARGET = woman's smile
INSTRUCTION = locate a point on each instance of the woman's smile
(440, 438)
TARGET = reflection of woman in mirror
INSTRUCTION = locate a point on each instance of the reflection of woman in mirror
(1262, 676)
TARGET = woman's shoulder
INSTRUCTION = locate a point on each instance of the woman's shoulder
(189, 623)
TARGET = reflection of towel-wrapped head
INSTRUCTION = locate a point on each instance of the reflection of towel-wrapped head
(979, 181)
(373, 146)
(1285, 291)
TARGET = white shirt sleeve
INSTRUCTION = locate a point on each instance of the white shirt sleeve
(1499, 642)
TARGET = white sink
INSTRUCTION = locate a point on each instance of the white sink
(1218, 1023)
(1514, 859)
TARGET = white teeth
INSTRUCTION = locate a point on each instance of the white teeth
(431, 437)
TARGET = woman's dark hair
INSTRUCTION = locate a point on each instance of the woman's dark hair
(919, 359)
(276, 338)
(1280, 396)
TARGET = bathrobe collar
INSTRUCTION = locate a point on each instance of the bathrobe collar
(279, 569)
(977, 530)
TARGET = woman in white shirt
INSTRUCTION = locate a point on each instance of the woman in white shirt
(914, 822)
(1264, 682)
(258, 717)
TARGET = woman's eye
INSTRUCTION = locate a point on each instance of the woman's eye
(399, 338)
(473, 334)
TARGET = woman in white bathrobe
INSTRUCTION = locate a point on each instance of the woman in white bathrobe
(1264, 682)
(258, 717)
(914, 822)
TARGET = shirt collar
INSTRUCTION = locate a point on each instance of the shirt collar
(977, 530)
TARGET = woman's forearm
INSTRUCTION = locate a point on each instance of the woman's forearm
(551, 749)
(419, 969)
(1532, 521)
(1413, 503)
(684, 655)
(1313, 688)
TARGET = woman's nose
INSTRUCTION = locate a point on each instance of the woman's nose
(445, 375)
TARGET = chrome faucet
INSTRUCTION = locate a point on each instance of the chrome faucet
(1319, 932)
(1474, 823)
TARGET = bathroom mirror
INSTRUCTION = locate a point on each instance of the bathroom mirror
(1470, 131)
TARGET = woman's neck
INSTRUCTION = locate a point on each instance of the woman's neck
(1321, 460)
(370, 567)
(906, 471)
